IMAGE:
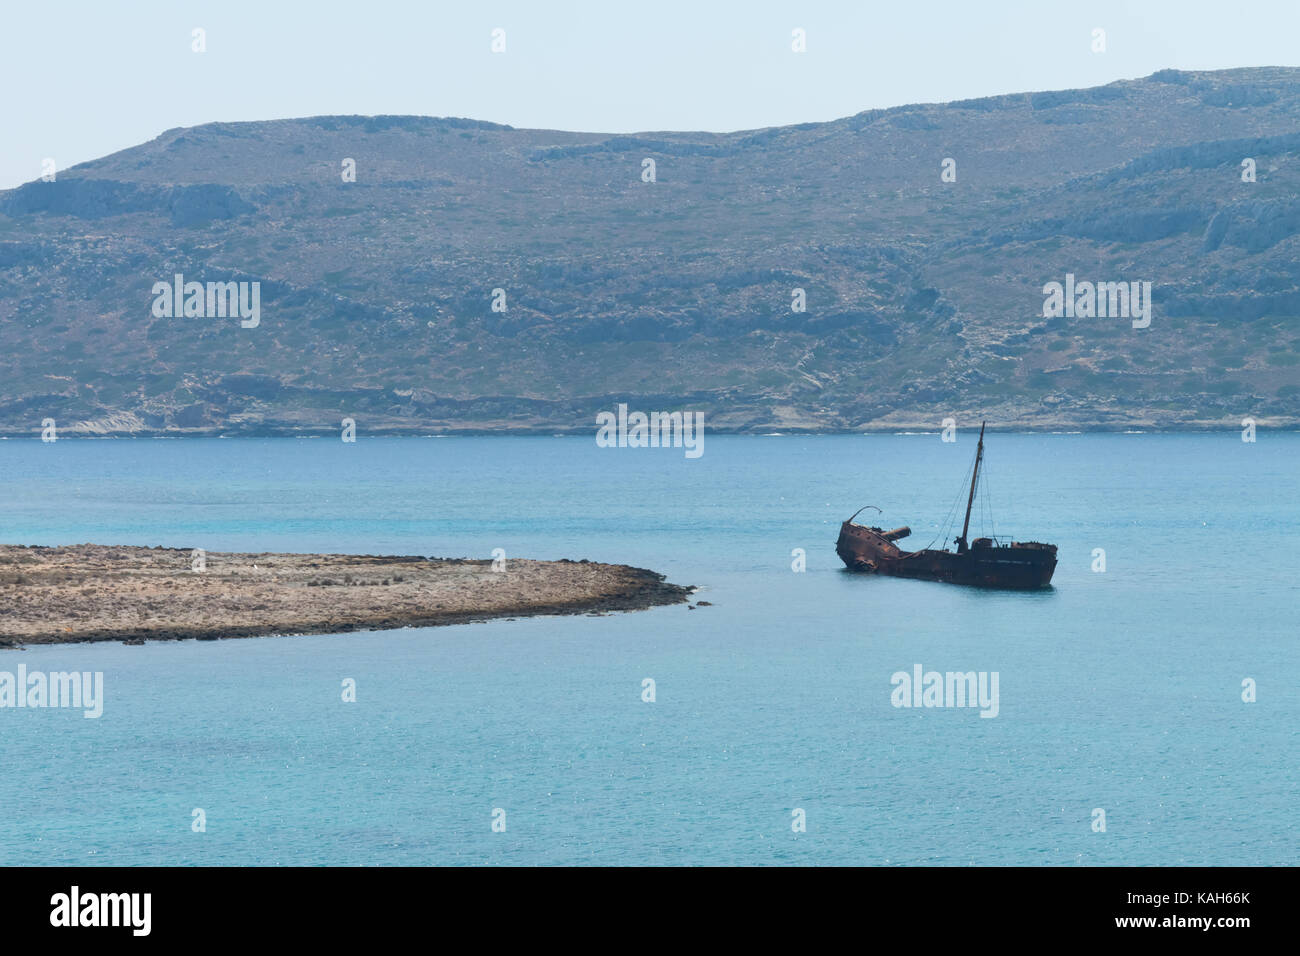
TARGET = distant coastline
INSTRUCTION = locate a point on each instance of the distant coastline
(82, 593)
(975, 259)
(589, 431)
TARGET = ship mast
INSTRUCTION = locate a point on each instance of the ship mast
(979, 455)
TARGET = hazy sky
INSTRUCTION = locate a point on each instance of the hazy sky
(82, 79)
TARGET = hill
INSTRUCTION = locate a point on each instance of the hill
(924, 298)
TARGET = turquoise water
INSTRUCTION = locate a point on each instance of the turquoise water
(1118, 690)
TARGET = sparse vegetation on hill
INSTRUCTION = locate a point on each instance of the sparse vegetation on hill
(924, 298)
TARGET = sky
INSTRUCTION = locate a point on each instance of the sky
(84, 78)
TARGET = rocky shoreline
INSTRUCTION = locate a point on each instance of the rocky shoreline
(130, 427)
(88, 592)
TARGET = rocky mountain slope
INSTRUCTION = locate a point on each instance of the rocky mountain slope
(924, 298)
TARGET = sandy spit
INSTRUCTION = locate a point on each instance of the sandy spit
(90, 592)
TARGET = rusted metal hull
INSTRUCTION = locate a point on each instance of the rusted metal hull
(1019, 565)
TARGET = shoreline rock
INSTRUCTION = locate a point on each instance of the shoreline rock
(89, 593)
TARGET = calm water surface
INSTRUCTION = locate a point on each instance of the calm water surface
(1118, 690)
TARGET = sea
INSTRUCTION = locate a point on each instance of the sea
(1147, 708)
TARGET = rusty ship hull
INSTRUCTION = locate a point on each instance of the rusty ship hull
(984, 562)
(1021, 565)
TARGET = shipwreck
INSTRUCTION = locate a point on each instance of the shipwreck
(985, 562)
